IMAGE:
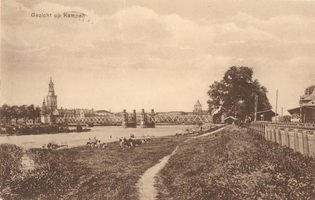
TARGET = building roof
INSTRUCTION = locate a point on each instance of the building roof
(308, 100)
(102, 111)
(176, 112)
(297, 109)
(310, 97)
(267, 111)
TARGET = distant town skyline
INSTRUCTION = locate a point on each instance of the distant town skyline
(160, 55)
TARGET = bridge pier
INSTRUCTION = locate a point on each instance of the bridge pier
(129, 121)
(147, 120)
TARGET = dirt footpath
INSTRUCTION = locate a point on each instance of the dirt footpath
(146, 184)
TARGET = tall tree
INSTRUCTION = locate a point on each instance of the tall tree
(25, 113)
(235, 94)
(6, 114)
(33, 112)
(16, 113)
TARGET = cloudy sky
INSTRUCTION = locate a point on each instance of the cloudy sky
(153, 54)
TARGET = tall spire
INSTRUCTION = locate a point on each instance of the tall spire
(51, 87)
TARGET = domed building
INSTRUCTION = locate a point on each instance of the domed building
(198, 108)
(306, 111)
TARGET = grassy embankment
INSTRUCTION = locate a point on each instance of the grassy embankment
(81, 173)
(230, 164)
(235, 164)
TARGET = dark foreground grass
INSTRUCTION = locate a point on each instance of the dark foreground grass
(81, 173)
(235, 164)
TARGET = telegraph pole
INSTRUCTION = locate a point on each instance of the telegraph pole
(276, 107)
(256, 104)
(301, 108)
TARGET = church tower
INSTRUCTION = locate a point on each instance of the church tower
(43, 113)
(51, 98)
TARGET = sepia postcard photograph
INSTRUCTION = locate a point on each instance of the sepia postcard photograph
(157, 99)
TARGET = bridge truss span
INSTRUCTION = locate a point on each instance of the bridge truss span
(138, 118)
(181, 119)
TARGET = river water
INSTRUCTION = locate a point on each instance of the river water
(103, 133)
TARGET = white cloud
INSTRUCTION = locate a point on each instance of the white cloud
(282, 27)
(137, 40)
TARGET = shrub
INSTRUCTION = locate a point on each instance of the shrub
(10, 156)
(52, 176)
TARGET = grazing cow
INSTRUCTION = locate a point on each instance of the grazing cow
(121, 142)
(145, 140)
(49, 146)
(101, 145)
(104, 145)
(128, 144)
(92, 143)
(98, 143)
(136, 142)
(124, 141)
(178, 134)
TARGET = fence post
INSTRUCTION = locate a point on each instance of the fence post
(279, 136)
(305, 143)
(286, 136)
(282, 138)
(296, 140)
(267, 133)
(274, 133)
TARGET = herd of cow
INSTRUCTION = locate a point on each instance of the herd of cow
(131, 142)
(95, 143)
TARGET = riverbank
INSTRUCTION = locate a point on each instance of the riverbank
(228, 164)
(42, 129)
(84, 173)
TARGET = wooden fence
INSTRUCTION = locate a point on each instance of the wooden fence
(299, 139)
